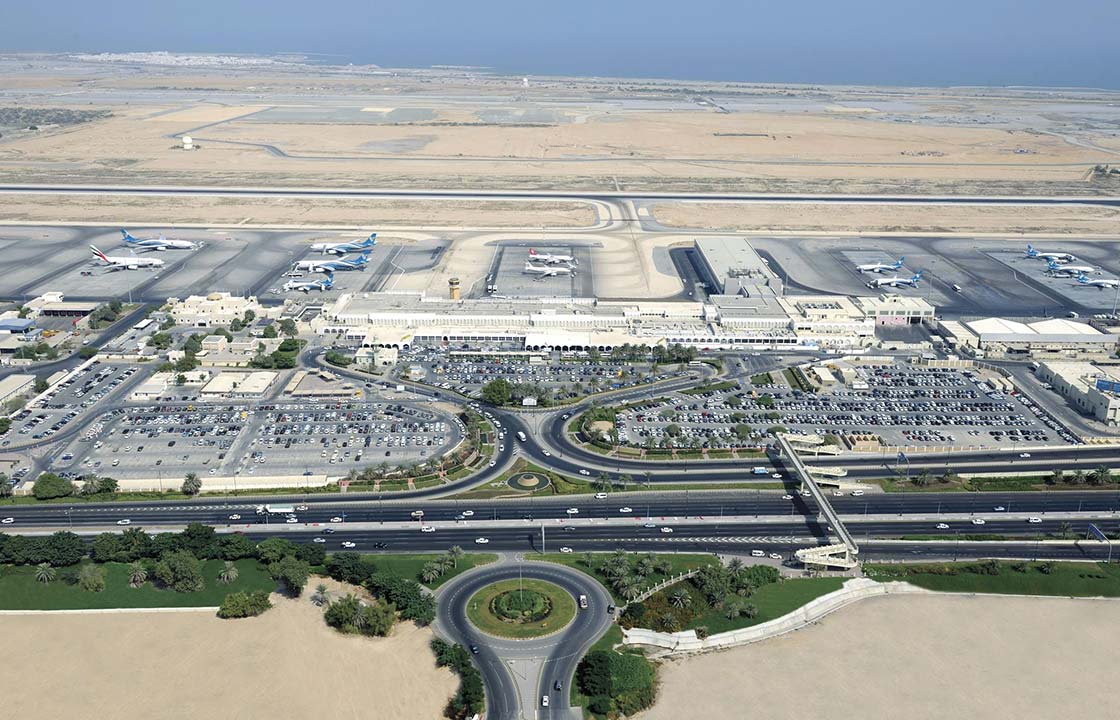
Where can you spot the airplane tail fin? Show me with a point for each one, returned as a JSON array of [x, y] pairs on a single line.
[[532, 252], [1081, 278], [1030, 249], [127, 236], [899, 263], [329, 282], [371, 240], [98, 253]]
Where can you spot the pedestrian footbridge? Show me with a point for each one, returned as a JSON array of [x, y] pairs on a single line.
[[836, 556]]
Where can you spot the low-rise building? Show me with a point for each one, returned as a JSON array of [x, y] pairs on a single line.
[[239, 384], [16, 385], [1044, 340], [217, 308], [1092, 389]]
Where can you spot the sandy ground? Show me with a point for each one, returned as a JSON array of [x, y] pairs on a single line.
[[801, 217], [914, 657], [285, 664], [292, 212]]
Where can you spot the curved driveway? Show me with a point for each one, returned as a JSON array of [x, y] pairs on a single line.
[[518, 672]]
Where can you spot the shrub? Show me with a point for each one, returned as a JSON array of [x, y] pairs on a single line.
[[181, 571], [242, 604], [49, 485]]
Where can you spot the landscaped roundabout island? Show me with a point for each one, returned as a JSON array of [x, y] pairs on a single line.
[[521, 609]]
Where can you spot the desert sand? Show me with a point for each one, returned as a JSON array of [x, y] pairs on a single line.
[[285, 664], [872, 218], [914, 657]]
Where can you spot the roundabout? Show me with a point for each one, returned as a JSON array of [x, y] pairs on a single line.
[[528, 481], [522, 609]]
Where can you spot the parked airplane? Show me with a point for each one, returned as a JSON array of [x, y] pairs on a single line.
[[306, 286], [542, 272], [551, 259], [1100, 283], [896, 281], [881, 267], [1069, 270], [330, 266], [1055, 256], [129, 262], [345, 247], [161, 243]]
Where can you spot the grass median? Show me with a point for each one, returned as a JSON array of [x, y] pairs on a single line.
[[1065, 579]]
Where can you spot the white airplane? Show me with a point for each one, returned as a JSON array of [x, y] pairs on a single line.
[[881, 267], [330, 266], [306, 286], [896, 281], [345, 247], [161, 243], [551, 259], [1055, 256], [130, 262], [1069, 270], [1100, 283], [543, 272]]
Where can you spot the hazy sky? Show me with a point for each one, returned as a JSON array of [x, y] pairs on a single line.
[[902, 42]]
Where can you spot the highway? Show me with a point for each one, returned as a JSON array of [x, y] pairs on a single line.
[[512, 696]]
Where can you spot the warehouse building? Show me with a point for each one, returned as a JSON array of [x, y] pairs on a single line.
[[1056, 339], [1092, 389]]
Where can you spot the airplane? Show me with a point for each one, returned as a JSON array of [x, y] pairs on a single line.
[[543, 272], [345, 247], [161, 243], [551, 259], [130, 262], [330, 266], [1069, 270], [1055, 256], [306, 286], [896, 281], [881, 267], [1100, 283]]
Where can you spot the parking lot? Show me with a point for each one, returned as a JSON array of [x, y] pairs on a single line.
[[170, 440], [903, 405]]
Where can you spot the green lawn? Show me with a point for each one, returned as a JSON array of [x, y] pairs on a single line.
[[772, 601], [1067, 579], [409, 565], [20, 591], [679, 563], [563, 609]]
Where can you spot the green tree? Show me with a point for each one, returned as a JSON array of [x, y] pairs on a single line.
[[137, 574], [456, 554], [291, 573], [91, 578], [242, 604], [48, 486], [192, 484], [181, 571], [681, 598], [1101, 476], [288, 327], [160, 341], [228, 573], [497, 392], [672, 430], [430, 573], [44, 573], [321, 596], [269, 332]]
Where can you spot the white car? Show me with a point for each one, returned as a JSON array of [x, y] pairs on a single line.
[[492, 463], [1024, 455], [626, 510], [124, 522], [600, 496], [348, 544], [301, 508], [427, 528], [857, 493], [565, 549], [776, 476], [468, 513], [336, 519], [319, 540], [544, 700], [1034, 520], [417, 513], [787, 497], [666, 529], [999, 508], [758, 553], [942, 526], [292, 521], [8, 521], [546, 453], [572, 511], [584, 472], [978, 521], [481, 541], [837, 493], [235, 516], [775, 556]]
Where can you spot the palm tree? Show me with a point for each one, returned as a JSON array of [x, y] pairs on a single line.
[[321, 596], [667, 621], [588, 559], [430, 572], [663, 566], [455, 553], [444, 563], [734, 609], [644, 567], [735, 566], [1101, 476], [1057, 475], [228, 573], [681, 598], [137, 574], [44, 573], [1064, 529]]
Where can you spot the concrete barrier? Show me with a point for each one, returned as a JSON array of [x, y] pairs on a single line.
[[687, 642]]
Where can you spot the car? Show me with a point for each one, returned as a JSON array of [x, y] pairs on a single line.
[[1024, 455], [584, 472], [417, 513], [649, 525], [837, 493], [468, 513], [565, 549], [336, 519], [626, 510], [7, 521], [474, 649], [666, 529], [600, 496], [942, 526], [978, 521], [999, 508], [775, 556], [349, 544], [328, 531], [546, 453], [491, 463], [301, 508], [481, 541], [787, 496], [427, 528], [572, 511], [857, 493], [235, 516], [1034, 520], [569, 528], [319, 540], [758, 553], [776, 476], [213, 471], [124, 522], [544, 700], [557, 686], [292, 521]]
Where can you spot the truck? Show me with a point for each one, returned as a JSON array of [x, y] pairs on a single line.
[[759, 471], [276, 509], [521, 436]]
